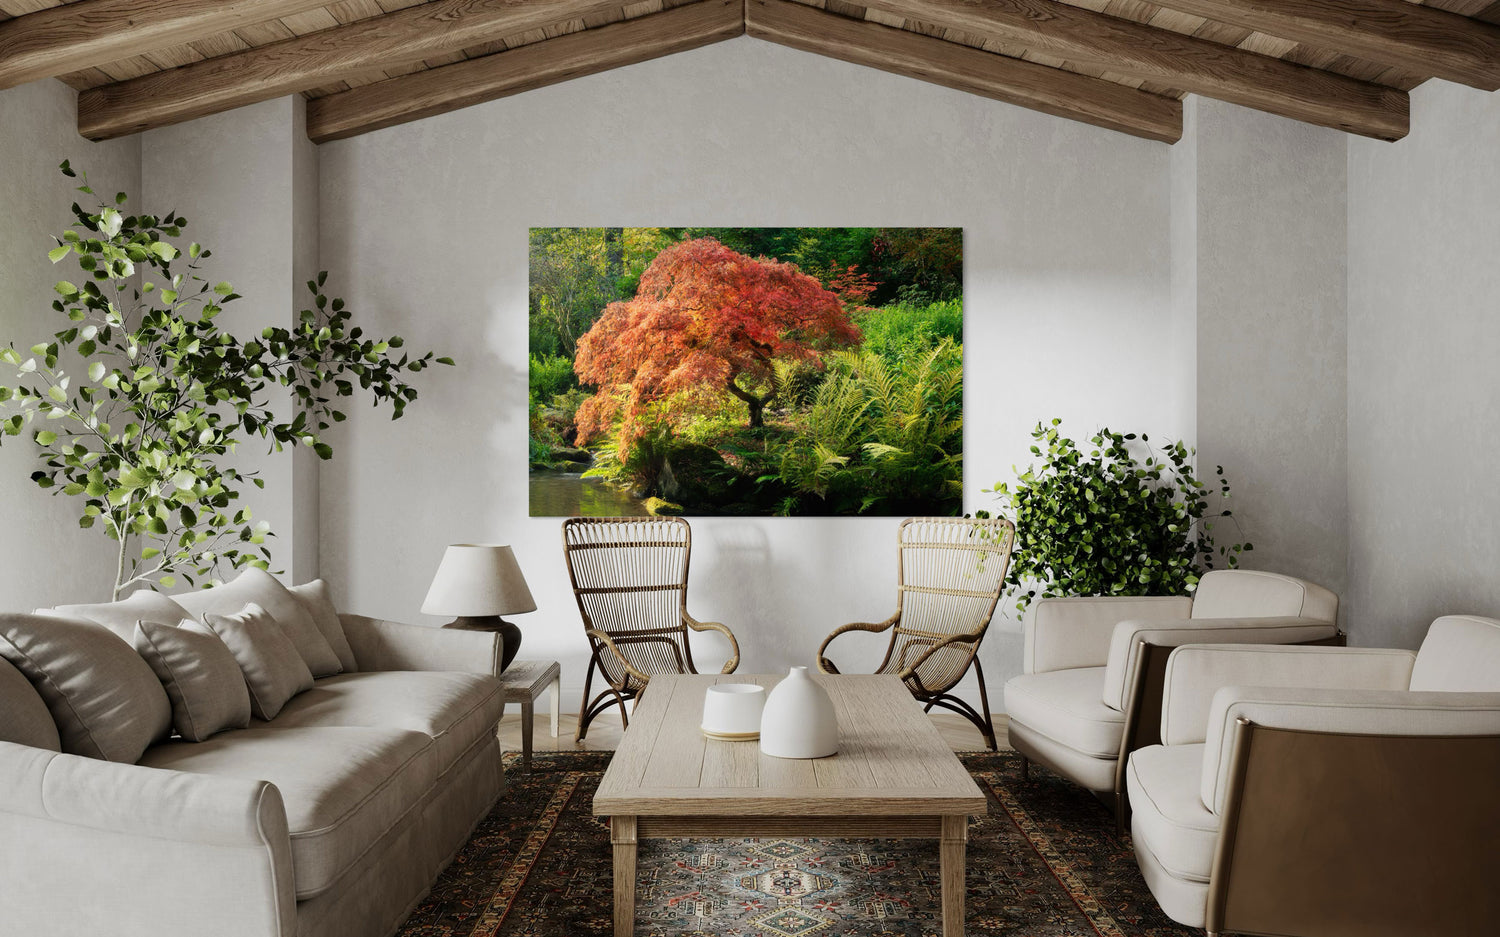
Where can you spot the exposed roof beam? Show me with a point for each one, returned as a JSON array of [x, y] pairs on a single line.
[[1196, 65], [359, 48], [95, 32], [1422, 40], [1051, 90], [439, 90]]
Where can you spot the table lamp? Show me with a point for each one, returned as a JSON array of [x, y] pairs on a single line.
[[479, 582]]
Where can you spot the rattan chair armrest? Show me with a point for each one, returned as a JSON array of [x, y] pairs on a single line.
[[696, 625], [909, 673], [608, 642], [826, 665]]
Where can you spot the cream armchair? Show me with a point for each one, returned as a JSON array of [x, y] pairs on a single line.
[[1091, 690], [1310, 791]]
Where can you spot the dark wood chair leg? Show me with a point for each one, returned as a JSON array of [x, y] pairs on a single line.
[[1025, 768]]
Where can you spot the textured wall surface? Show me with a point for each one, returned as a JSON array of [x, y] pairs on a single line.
[[1067, 275], [44, 557], [1424, 369], [1270, 283]]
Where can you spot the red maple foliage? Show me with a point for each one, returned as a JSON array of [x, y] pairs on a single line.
[[704, 316]]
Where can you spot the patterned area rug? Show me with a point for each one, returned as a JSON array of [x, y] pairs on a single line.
[[1044, 862]]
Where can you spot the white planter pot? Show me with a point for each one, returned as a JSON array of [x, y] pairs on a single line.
[[798, 720], [731, 711]]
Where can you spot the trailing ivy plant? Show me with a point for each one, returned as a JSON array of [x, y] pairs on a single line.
[[145, 432], [1107, 522]]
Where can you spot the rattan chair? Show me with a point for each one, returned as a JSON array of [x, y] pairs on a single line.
[[950, 573], [630, 577]]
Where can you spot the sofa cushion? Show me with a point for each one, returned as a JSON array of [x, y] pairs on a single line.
[[24, 718], [105, 700], [344, 788], [205, 685], [1461, 653], [260, 587], [1168, 816], [453, 709], [318, 602], [1066, 706], [120, 617], [273, 670]]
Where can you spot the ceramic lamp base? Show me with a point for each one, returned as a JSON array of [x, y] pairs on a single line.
[[510, 634]]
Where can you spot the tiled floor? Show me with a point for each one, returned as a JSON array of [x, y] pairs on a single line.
[[604, 733]]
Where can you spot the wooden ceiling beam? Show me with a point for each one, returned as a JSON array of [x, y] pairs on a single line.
[[1422, 40], [83, 35], [1026, 84], [405, 37], [1196, 65], [450, 87]]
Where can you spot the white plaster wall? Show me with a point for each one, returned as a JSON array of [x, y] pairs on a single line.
[[1424, 369], [45, 559], [237, 178], [1269, 256], [1068, 288]]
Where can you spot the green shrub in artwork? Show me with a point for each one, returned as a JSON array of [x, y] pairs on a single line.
[[550, 375], [902, 330]]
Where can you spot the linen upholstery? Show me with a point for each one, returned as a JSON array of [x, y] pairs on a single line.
[[1196, 672], [1460, 652], [258, 586], [387, 645], [317, 601], [24, 718], [1061, 706], [453, 709], [1168, 814], [202, 680], [343, 787], [273, 670], [1074, 632], [120, 617], [104, 699], [1253, 593], [1090, 771]]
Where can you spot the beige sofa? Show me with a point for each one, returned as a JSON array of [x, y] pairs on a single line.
[[1327, 790], [334, 818]]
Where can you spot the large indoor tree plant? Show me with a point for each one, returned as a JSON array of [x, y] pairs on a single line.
[[1118, 519], [144, 432]]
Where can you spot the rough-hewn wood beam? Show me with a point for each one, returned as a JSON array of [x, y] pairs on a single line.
[[1422, 40], [370, 45], [1197, 65], [1026, 84], [95, 32], [439, 90]]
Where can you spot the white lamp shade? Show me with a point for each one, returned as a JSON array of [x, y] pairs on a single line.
[[477, 579]]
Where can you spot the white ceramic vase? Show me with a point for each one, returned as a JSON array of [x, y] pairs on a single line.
[[798, 720]]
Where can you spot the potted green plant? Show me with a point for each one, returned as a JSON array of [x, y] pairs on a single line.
[[1118, 519], [144, 432]]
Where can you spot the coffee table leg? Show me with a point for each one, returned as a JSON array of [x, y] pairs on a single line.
[[622, 835], [955, 836], [556, 692]]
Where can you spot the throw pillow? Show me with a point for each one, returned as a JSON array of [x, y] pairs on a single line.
[[273, 670], [260, 587], [202, 679], [24, 718], [105, 700], [120, 617], [318, 603]]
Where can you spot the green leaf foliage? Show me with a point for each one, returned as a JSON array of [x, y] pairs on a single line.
[[1118, 519], [149, 441]]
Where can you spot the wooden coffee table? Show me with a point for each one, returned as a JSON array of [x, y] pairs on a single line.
[[893, 777]]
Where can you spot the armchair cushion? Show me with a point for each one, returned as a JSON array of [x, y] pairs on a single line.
[[260, 587], [1119, 675], [1064, 705], [1460, 652], [104, 699], [1074, 632], [1168, 816], [1196, 672], [344, 788], [1249, 593], [24, 718]]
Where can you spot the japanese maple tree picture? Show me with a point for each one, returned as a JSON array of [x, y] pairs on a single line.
[[788, 371]]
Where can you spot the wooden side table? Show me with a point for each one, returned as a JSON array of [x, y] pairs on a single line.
[[523, 681]]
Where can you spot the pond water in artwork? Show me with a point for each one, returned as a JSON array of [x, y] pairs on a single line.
[[569, 494]]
